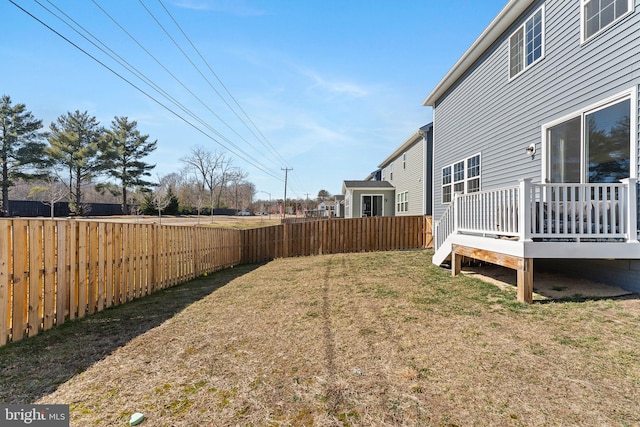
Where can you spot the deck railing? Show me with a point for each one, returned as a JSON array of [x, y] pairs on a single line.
[[489, 212], [579, 211], [444, 227], [545, 212]]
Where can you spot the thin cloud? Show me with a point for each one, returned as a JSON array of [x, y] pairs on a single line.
[[336, 87], [231, 7]]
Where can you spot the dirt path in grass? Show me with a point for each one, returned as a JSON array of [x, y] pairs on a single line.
[[382, 339]]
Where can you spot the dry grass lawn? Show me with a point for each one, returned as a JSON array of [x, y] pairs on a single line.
[[370, 339]]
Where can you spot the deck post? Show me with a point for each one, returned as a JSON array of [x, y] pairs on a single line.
[[456, 262], [525, 281], [632, 209], [524, 208]]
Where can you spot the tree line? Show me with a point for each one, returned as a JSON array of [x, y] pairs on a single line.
[[67, 160]]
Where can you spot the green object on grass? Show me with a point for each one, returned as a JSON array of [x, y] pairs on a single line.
[[136, 419]]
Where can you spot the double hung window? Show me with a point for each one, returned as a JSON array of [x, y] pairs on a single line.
[[526, 44], [461, 177], [446, 184], [402, 202]]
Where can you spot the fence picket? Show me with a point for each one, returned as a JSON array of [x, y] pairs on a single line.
[[5, 268], [73, 269], [83, 261], [20, 279], [101, 264], [36, 277], [49, 271], [92, 268], [108, 280], [62, 274]]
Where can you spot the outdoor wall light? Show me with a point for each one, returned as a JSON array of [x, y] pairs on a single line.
[[531, 150]]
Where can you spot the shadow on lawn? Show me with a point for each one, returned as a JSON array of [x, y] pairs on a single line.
[[36, 366]]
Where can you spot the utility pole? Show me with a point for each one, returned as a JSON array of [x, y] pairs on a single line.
[[286, 173]]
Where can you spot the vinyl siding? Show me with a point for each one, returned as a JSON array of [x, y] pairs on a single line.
[[410, 178], [428, 202], [485, 112]]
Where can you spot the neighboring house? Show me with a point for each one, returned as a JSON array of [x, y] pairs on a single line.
[[326, 209], [537, 126], [408, 169], [368, 198], [402, 184], [338, 207]]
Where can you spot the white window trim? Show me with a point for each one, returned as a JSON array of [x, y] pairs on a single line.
[[466, 170], [404, 160], [525, 67], [466, 177], [442, 183], [632, 95], [583, 4], [402, 206]]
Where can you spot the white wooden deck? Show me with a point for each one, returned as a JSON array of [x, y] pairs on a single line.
[[513, 226]]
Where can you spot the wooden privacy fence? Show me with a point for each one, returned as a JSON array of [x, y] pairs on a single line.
[[57, 270], [382, 233]]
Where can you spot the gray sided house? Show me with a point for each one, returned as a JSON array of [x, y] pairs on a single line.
[[402, 184], [408, 169], [536, 142], [367, 198]]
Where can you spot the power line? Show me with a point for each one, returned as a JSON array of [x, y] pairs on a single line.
[[259, 167], [177, 45], [123, 62], [268, 144], [175, 78]]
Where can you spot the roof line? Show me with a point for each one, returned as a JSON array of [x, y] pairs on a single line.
[[499, 25], [413, 139]]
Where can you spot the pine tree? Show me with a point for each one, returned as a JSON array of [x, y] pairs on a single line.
[[21, 145], [173, 204], [74, 148], [122, 149]]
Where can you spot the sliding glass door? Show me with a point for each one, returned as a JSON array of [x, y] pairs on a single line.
[[594, 147], [371, 205], [607, 142]]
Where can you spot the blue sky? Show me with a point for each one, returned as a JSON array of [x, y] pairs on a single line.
[[333, 87]]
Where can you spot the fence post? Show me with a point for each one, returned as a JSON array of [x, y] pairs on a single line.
[[524, 210]]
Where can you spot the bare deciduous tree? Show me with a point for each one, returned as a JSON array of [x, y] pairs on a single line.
[[53, 191], [212, 172]]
